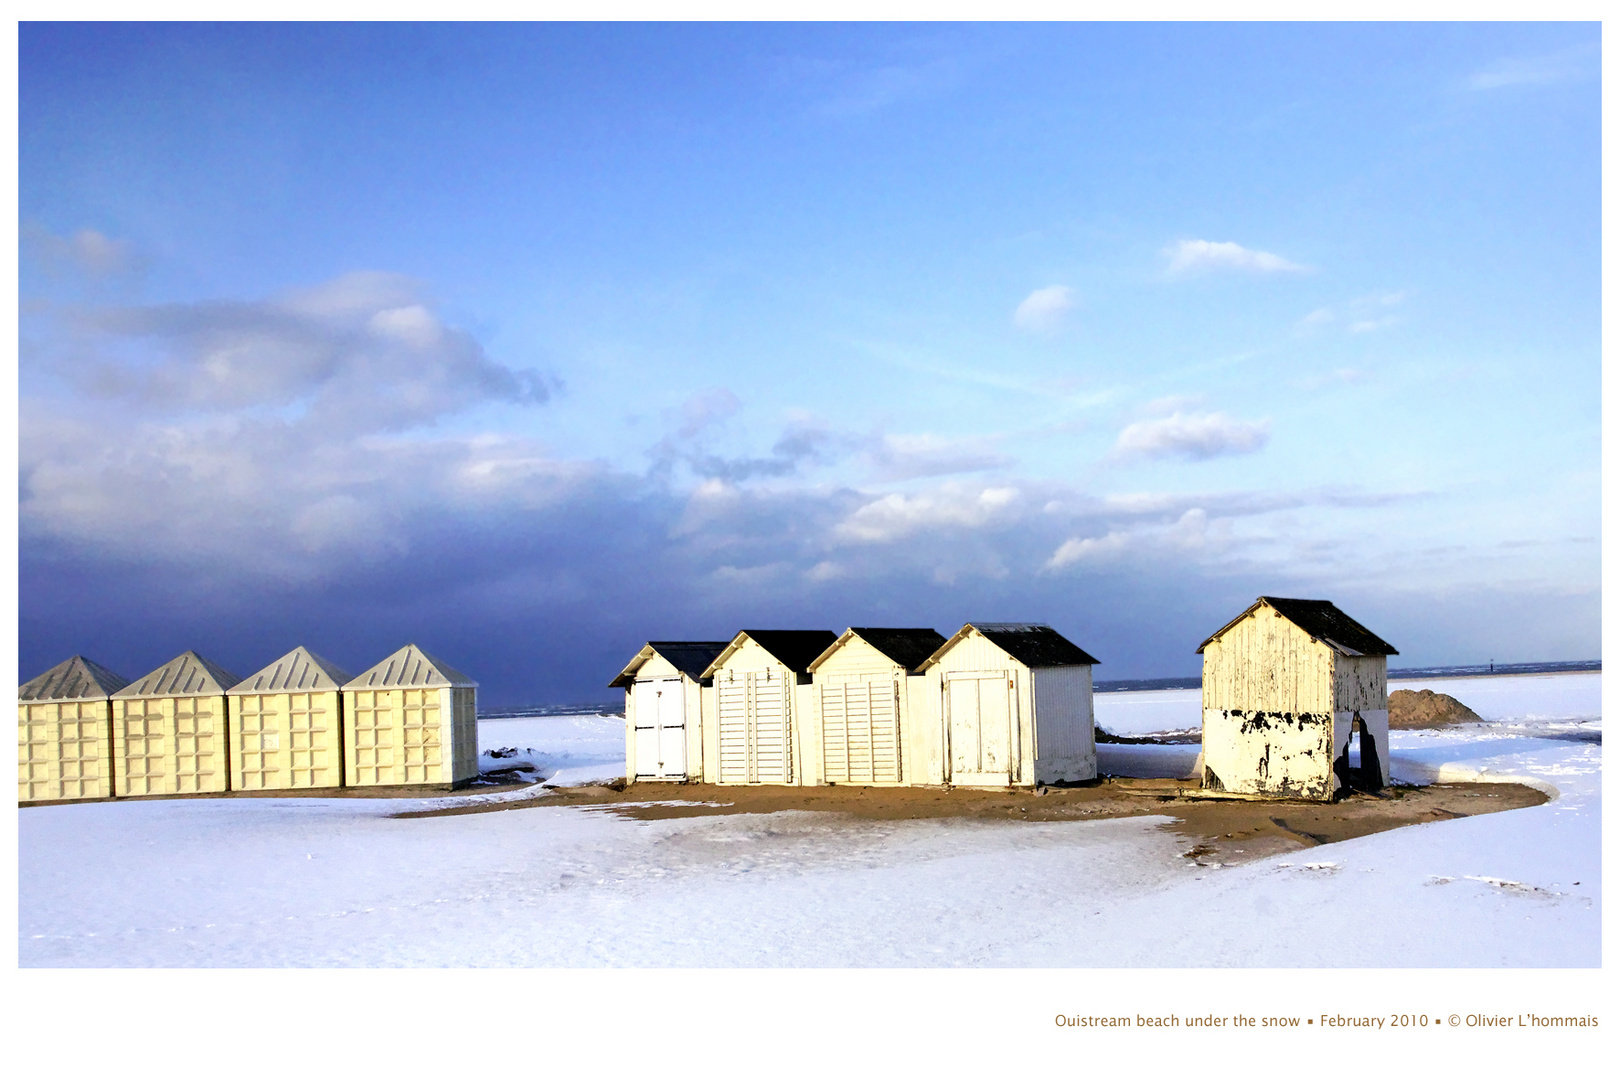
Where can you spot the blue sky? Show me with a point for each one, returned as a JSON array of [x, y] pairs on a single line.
[[532, 343]]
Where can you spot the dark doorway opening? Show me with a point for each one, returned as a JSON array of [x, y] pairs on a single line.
[[1366, 772]]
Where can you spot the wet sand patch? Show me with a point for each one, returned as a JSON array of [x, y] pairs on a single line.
[[1219, 830]]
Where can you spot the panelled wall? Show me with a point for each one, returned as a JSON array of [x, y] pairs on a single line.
[[289, 740], [170, 745], [64, 749]]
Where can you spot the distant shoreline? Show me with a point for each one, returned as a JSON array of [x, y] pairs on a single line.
[[1465, 671], [1116, 686]]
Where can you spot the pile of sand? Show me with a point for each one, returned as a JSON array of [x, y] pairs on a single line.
[[1409, 709]]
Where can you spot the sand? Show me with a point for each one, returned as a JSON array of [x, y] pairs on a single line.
[[1218, 831]]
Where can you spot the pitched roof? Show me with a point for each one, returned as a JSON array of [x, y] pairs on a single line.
[[1034, 645], [794, 648], [690, 658], [299, 670], [410, 666], [187, 675], [1321, 620], [74, 679], [907, 647]]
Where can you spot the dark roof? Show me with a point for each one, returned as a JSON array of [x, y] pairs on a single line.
[[690, 658], [1035, 644], [74, 679], [795, 648], [906, 647], [1320, 619]]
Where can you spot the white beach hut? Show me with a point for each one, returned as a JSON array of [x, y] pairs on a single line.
[[169, 730], [663, 708], [410, 719], [286, 725], [866, 690], [762, 697], [64, 732], [1295, 702], [1016, 706]]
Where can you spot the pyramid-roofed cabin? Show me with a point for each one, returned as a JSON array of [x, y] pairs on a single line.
[[865, 689], [663, 708], [410, 719], [64, 732], [170, 729], [1015, 706], [287, 725], [763, 704], [1295, 702]]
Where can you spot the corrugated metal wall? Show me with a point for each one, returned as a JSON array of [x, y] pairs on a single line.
[[1065, 733]]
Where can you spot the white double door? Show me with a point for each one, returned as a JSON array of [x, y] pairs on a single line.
[[860, 729], [982, 714], [660, 729], [756, 726]]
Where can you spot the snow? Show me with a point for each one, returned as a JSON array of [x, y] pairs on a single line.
[[1150, 712], [341, 882], [562, 750]]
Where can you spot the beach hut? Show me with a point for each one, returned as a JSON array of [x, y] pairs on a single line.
[[663, 709], [864, 684], [1015, 706], [761, 700], [169, 730], [1294, 702], [287, 725], [64, 732], [411, 719]]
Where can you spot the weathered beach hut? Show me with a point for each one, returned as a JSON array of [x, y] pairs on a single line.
[[64, 732], [410, 719], [663, 709], [286, 725], [169, 730], [1295, 702], [864, 684], [762, 700], [1016, 706]]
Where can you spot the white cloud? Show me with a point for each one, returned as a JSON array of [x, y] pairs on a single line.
[[894, 516], [1567, 65], [1044, 309], [1085, 550], [1367, 326], [1191, 436], [1192, 256]]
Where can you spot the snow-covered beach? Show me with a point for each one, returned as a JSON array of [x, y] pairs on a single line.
[[343, 882]]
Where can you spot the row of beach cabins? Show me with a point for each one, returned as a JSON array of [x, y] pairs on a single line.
[[191, 726], [1294, 705]]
